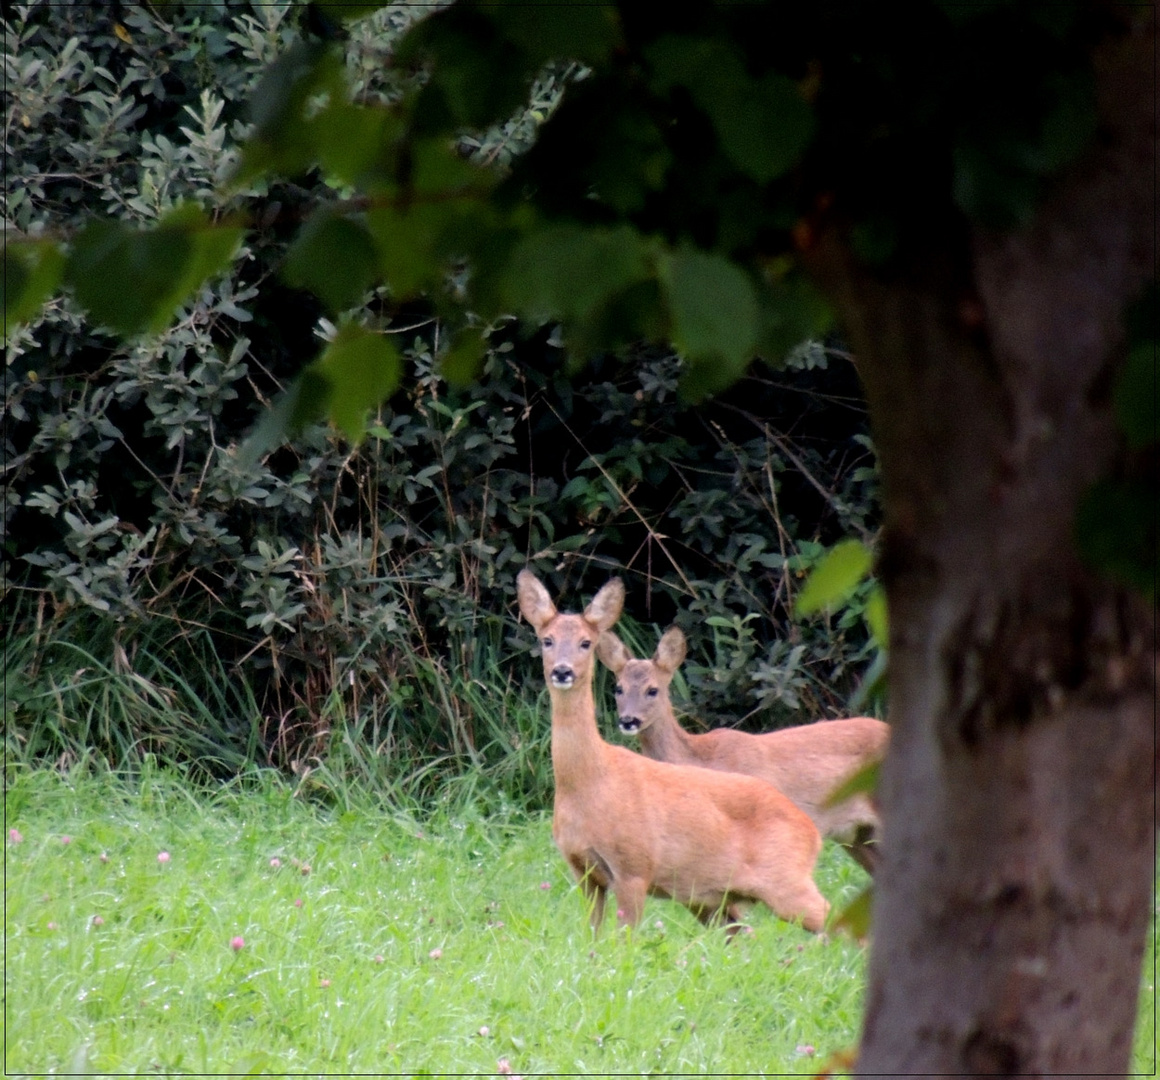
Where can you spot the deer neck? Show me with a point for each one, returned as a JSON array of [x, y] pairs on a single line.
[[577, 748], [666, 740]]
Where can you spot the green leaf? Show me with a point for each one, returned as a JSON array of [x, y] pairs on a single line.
[[133, 280], [837, 575], [864, 781], [408, 243], [32, 272], [876, 618], [875, 239], [355, 372], [764, 127], [1116, 532], [359, 145], [855, 918], [334, 257], [361, 368], [992, 190], [570, 272], [791, 311], [713, 312], [347, 11], [1135, 396], [283, 140], [477, 77], [437, 168], [872, 686], [1068, 127], [548, 30], [764, 124], [461, 363], [302, 402]]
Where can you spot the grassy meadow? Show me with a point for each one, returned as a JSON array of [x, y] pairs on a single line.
[[154, 928], [150, 929]]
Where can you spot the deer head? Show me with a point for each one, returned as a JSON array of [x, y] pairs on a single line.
[[642, 686], [568, 641]]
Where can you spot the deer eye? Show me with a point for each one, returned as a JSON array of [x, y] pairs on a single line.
[[547, 643], [586, 644], [652, 691]]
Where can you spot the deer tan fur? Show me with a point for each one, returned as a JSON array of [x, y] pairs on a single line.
[[806, 763], [639, 827]]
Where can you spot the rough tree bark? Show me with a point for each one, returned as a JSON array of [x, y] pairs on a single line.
[[1019, 795]]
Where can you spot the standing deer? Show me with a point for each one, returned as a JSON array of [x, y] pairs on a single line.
[[807, 763], [640, 827]]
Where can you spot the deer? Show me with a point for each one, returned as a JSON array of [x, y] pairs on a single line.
[[637, 827], [807, 763]]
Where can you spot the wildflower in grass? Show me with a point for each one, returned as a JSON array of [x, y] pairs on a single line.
[[98, 921], [484, 1031], [305, 868], [324, 983], [435, 954], [298, 902], [66, 839], [275, 862], [805, 1050], [104, 856], [15, 836], [52, 926], [545, 884], [237, 943], [163, 856]]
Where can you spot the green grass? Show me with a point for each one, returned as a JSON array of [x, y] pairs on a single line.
[[350, 980], [442, 946]]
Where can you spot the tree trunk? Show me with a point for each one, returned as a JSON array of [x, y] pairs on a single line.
[[1018, 797]]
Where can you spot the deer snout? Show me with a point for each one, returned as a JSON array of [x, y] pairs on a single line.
[[630, 724], [562, 677]]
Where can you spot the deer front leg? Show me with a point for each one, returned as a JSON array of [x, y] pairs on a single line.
[[630, 898]]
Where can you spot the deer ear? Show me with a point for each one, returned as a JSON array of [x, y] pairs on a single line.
[[606, 605], [611, 652], [671, 650], [535, 604]]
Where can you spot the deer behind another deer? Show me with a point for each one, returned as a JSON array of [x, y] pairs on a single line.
[[806, 763], [638, 827]]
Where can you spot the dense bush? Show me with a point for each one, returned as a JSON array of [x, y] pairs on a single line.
[[359, 601]]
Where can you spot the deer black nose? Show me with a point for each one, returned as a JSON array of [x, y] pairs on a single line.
[[630, 724], [563, 676]]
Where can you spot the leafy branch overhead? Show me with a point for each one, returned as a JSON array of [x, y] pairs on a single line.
[[668, 197]]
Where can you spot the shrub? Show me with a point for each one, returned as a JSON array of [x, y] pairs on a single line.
[[358, 600]]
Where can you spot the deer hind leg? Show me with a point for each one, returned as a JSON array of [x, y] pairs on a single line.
[[593, 884], [863, 849], [859, 832], [729, 914], [594, 895]]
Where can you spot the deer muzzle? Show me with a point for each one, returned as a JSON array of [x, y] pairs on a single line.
[[562, 677]]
